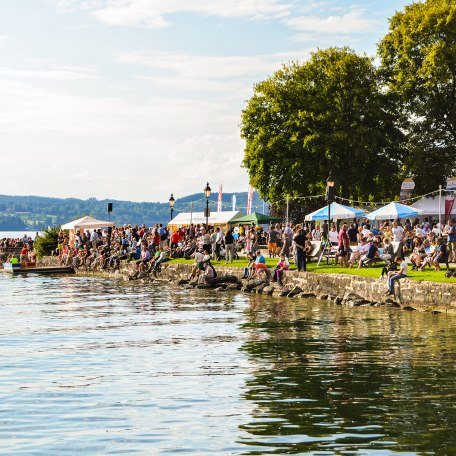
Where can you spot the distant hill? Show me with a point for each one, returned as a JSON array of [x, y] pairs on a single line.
[[19, 213]]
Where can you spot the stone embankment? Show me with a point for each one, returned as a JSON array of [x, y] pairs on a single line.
[[342, 289]]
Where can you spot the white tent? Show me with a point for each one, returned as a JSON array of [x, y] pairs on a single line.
[[86, 223], [336, 211], [394, 210], [430, 205], [216, 218]]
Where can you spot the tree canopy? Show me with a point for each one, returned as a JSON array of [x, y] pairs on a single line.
[[326, 115], [370, 126], [418, 65]]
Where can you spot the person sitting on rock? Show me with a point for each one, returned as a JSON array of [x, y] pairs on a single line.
[[163, 258], [260, 263], [282, 265], [249, 270], [396, 275], [209, 272], [198, 266]]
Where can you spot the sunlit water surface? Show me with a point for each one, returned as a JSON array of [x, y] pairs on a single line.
[[94, 366]]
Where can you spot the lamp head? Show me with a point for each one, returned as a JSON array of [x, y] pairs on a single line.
[[171, 200], [207, 191], [330, 181]]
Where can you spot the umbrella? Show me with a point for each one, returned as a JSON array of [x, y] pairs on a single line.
[[338, 212], [254, 217], [394, 211]]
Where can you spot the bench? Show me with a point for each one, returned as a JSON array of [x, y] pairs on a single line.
[[316, 250]]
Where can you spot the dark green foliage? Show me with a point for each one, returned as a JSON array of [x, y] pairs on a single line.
[[47, 242], [418, 66], [325, 115]]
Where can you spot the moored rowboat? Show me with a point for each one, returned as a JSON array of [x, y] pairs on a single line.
[[16, 268]]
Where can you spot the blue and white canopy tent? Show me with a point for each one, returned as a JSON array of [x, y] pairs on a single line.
[[337, 212], [393, 211]]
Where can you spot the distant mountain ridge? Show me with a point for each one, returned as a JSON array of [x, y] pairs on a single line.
[[38, 212]]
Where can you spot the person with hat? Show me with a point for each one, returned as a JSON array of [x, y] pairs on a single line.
[[209, 271]]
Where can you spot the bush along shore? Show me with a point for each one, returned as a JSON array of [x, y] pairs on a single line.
[[342, 289]]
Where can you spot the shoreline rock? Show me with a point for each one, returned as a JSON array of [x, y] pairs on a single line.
[[342, 289]]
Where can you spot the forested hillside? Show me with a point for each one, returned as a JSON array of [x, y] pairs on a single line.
[[37, 212]]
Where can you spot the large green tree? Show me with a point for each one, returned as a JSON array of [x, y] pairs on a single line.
[[418, 63], [325, 115]]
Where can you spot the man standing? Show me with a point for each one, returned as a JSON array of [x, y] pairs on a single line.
[[450, 232], [272, 241], [229, 246], [299, 242], [343, 244], [398, 235], [353, 234]]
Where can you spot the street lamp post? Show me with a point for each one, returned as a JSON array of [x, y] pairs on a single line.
[[207, 194], [171, 205], [329, 197]]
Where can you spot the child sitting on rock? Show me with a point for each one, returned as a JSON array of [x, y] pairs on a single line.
[[282, 265]]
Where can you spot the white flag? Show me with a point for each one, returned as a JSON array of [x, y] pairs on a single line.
[[219, 201], [249, 200], [234, 202]]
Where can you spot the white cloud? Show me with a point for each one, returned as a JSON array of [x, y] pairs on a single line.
[[230, 76], [349, 23], [200, 67], [153, 13], [118, 147], [53, 72]]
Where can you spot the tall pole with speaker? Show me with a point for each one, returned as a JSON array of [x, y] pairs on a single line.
[[109, 211]]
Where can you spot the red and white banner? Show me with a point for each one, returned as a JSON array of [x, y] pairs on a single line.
[[219, 201], [249, 200], [449, 199], [449, 203]]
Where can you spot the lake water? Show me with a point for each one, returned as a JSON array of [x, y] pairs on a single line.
[[17, 234], [93, 366]]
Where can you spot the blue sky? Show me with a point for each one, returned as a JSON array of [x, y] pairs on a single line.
[[135, 99]]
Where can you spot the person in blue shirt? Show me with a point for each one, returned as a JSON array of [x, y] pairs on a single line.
[[260, 263]]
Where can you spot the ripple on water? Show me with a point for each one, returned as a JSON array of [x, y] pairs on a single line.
[[93, 366]]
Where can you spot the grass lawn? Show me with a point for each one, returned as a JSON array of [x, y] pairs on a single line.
[[372, 271]]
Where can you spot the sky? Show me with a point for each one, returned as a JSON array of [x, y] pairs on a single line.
[[138, 99]]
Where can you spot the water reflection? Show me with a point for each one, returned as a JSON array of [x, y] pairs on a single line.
[[94, 366], [336, 379]]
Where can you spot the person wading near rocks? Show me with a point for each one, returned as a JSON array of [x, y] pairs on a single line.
[[299, 241]]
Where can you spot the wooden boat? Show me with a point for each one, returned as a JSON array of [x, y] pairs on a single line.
[[31, 268]]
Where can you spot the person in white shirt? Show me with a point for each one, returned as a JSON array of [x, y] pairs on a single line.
[[366, 232], [332, 236], [398, 232], [361, 250], [396, 275]]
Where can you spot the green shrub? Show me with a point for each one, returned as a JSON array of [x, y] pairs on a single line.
[[47, 242]]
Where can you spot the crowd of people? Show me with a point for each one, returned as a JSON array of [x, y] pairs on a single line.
[[355, 244]]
